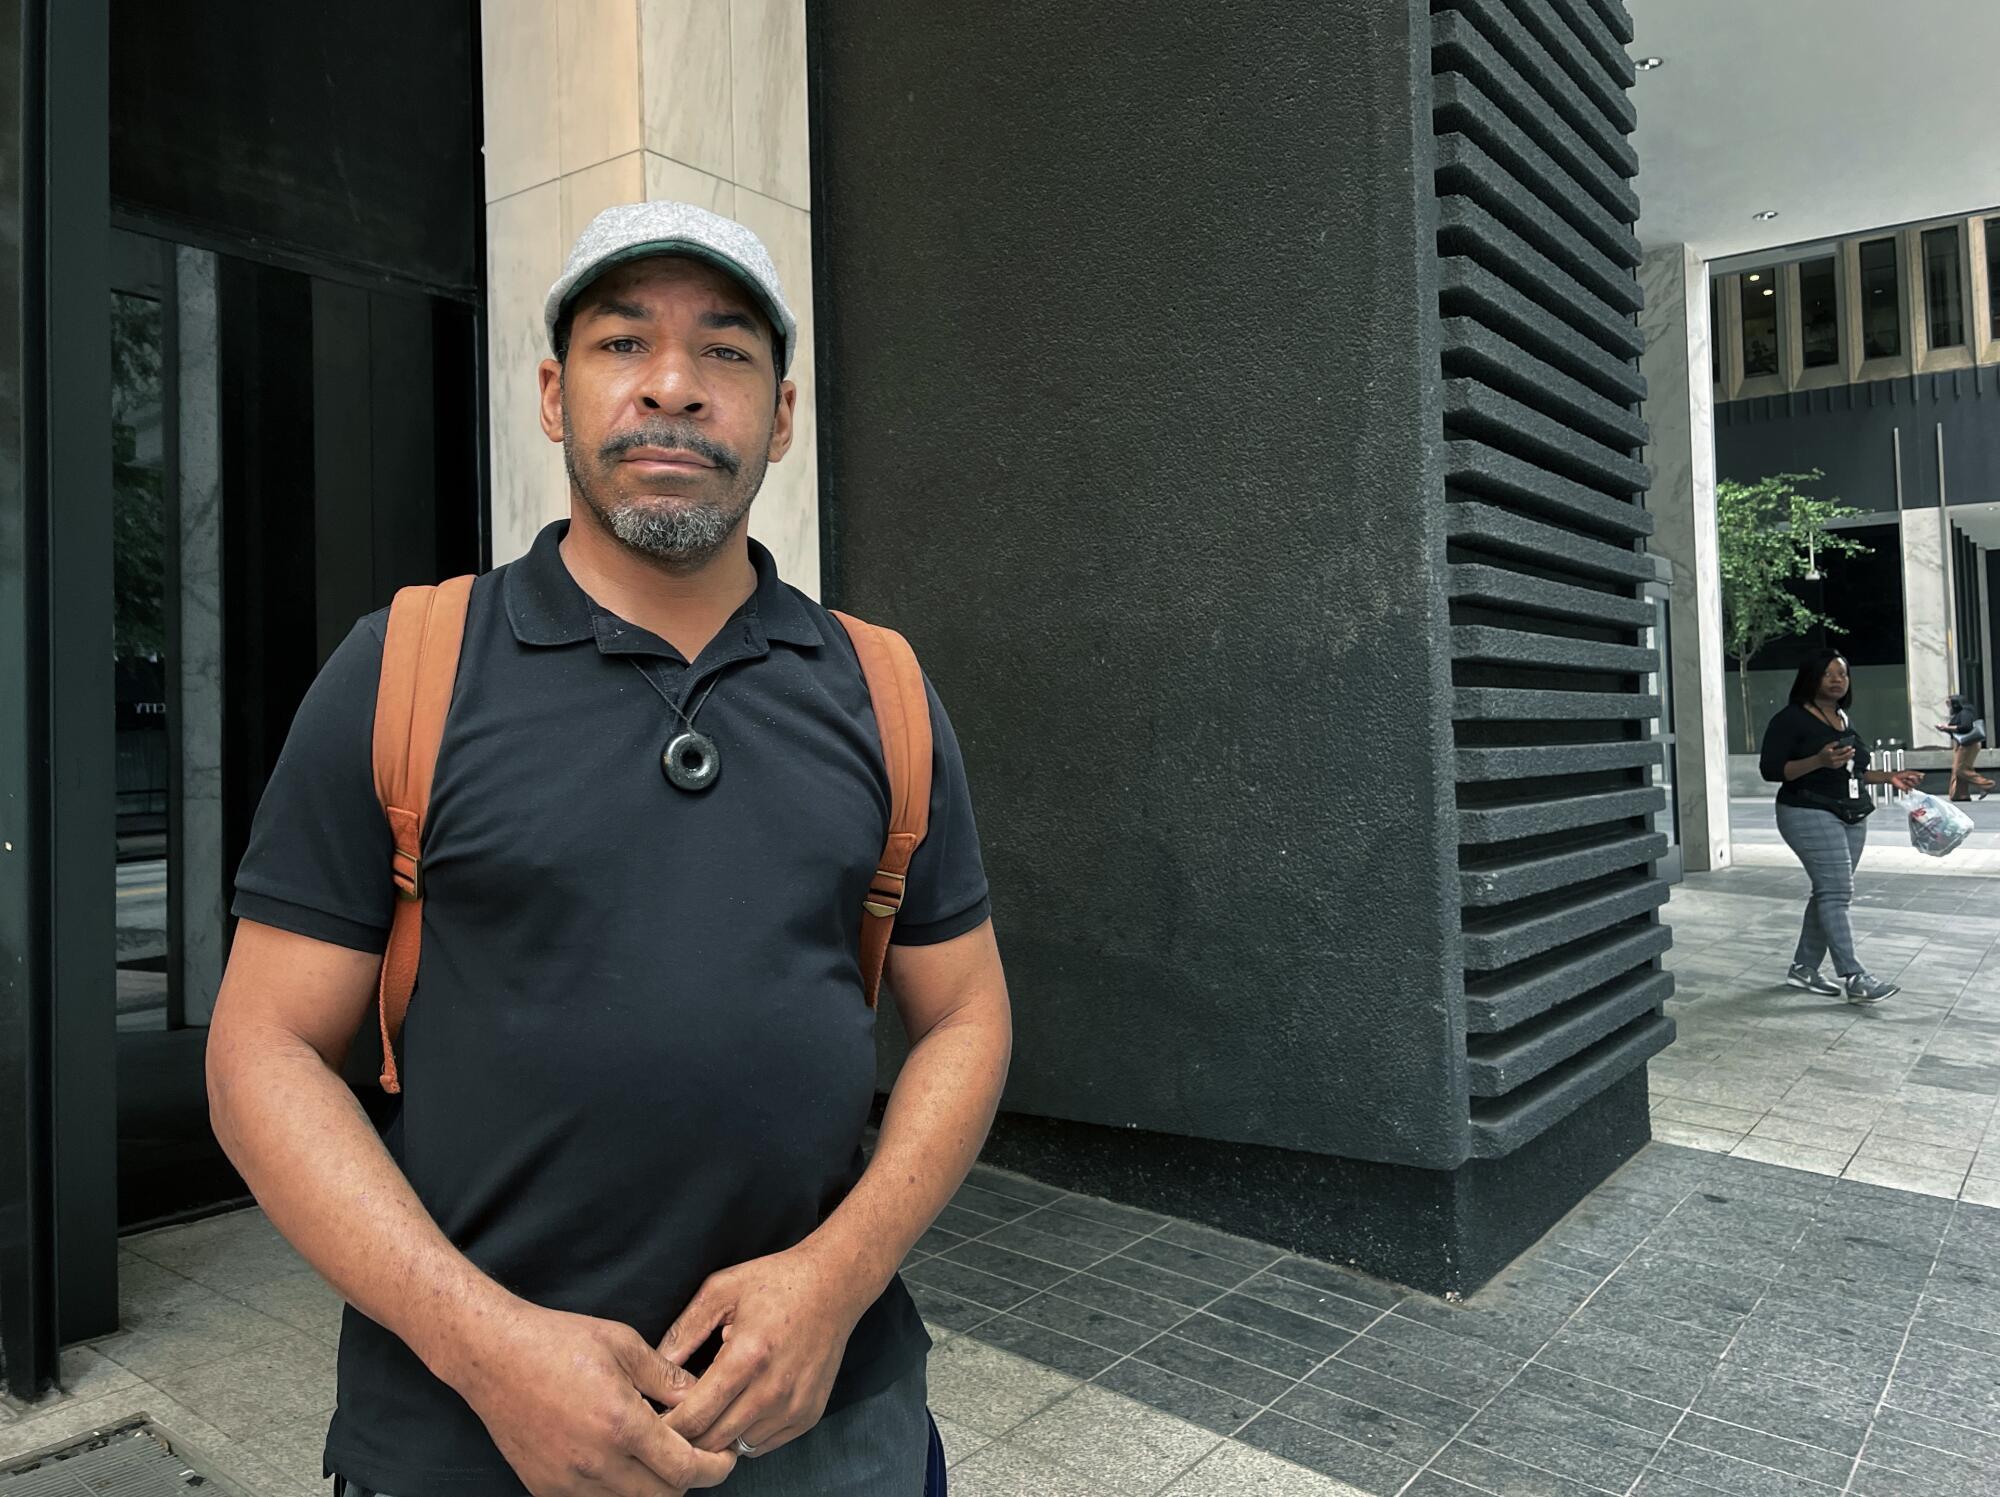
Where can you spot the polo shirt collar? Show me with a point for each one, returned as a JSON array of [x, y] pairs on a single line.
[[547, 607]]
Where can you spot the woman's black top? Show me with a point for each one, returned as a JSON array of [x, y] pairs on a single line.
[[1796, 734], [1961, 721]]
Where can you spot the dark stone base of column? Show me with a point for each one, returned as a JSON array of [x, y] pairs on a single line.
[[1441, 1231]]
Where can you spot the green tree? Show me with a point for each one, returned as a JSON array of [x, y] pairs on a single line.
[[1768, 534]]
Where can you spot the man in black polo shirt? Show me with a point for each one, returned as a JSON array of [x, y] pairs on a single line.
[[626, 1162]]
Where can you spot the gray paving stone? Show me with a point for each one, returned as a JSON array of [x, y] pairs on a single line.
[[1505, 1476], [1727, 1473], [1022, 1237], [1594, 1466], [1566, 1388], [1085, 1323], [1303, 1299], [1230, 1337], [1132, 1304], [1982, 1447], [1391, 1395], [1792, 1457], [1052, 1349], [1198, 1403], [1158, 1282], [1443, 1346], [1893, 1468], [1375, 1428], [946, 1309], [1789, 1410], [1051, 1221], [1204, 1364], [1301, 1330], [967, 1283], [1330, 1454], [1348, 1283], [1460, 1384], [989, 1203], [1188, 1262], [1629, 1363], [1004, 1263]]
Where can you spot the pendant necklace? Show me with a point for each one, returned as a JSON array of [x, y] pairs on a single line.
[[690, 760]]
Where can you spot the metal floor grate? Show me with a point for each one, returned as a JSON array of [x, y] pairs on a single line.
[[139, 1459]]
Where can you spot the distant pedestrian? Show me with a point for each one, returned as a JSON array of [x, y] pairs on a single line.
[[1820, 764], [1968, 736]]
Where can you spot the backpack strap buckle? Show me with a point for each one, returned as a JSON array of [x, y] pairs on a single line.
[[885, 893], [408, 870]]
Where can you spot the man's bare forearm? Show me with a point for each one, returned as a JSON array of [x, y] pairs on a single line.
[[309, 1153], [936, 1120]]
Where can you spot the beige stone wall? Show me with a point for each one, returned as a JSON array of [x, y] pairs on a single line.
[[596, 102]]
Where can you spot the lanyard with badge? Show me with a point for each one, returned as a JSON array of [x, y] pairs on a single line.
[[1847, 736]]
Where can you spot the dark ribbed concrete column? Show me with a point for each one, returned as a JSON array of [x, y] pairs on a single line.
[[1240, 420]]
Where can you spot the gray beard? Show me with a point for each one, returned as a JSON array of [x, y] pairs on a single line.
[[676, 531]]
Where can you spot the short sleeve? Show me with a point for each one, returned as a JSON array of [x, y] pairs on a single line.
[[1779, 742], [318, 863], [946, 891]]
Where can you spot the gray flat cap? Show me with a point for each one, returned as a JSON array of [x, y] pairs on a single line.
[[635, 231]]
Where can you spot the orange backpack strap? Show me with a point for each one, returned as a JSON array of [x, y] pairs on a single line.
[[903, 717], [419, 669]]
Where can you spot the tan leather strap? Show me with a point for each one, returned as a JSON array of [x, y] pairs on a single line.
[[419, 669], [903, 718]]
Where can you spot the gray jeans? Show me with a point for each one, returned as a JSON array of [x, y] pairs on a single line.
[[875, 1448], [1830, 849]]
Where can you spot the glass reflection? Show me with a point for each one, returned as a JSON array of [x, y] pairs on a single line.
[[1944, 300], [1760, 322], [139, 569], [1819, 314], [1881, 312]]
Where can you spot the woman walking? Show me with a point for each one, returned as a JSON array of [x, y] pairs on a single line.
[[1968, 736], [1820, 764]]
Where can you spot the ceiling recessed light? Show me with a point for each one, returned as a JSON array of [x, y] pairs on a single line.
[[1647, 64], [1769, 291], [1755, 276], [1766, 216]]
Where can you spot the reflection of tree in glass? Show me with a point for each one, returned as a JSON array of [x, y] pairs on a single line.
[[138, 516]]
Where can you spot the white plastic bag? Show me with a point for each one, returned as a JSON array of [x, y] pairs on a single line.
[[1936, 826]]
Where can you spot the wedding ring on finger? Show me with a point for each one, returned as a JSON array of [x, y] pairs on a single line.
[[744, 1447]]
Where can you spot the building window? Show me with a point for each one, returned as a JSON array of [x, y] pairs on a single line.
[[1819, 315], [1993, 273], [1881, 311], [1760, 322], [1944, 301]]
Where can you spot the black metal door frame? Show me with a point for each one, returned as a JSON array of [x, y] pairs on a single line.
[[58, 1102]]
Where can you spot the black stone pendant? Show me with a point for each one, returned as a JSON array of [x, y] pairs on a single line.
[[691, 761]]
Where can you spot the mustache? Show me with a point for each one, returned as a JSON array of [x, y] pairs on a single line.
[[670, 434]]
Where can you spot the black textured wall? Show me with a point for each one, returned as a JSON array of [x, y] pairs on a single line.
[[1129, 408], [1242, 420]]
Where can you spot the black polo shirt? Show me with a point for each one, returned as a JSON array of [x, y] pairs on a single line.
[[638, 1051]]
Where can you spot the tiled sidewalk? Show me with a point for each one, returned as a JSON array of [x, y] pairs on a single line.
[[1701, 1325], [1902, 1093]]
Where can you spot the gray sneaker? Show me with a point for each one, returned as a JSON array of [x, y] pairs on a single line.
[[1861, 988], [1809, 978]]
